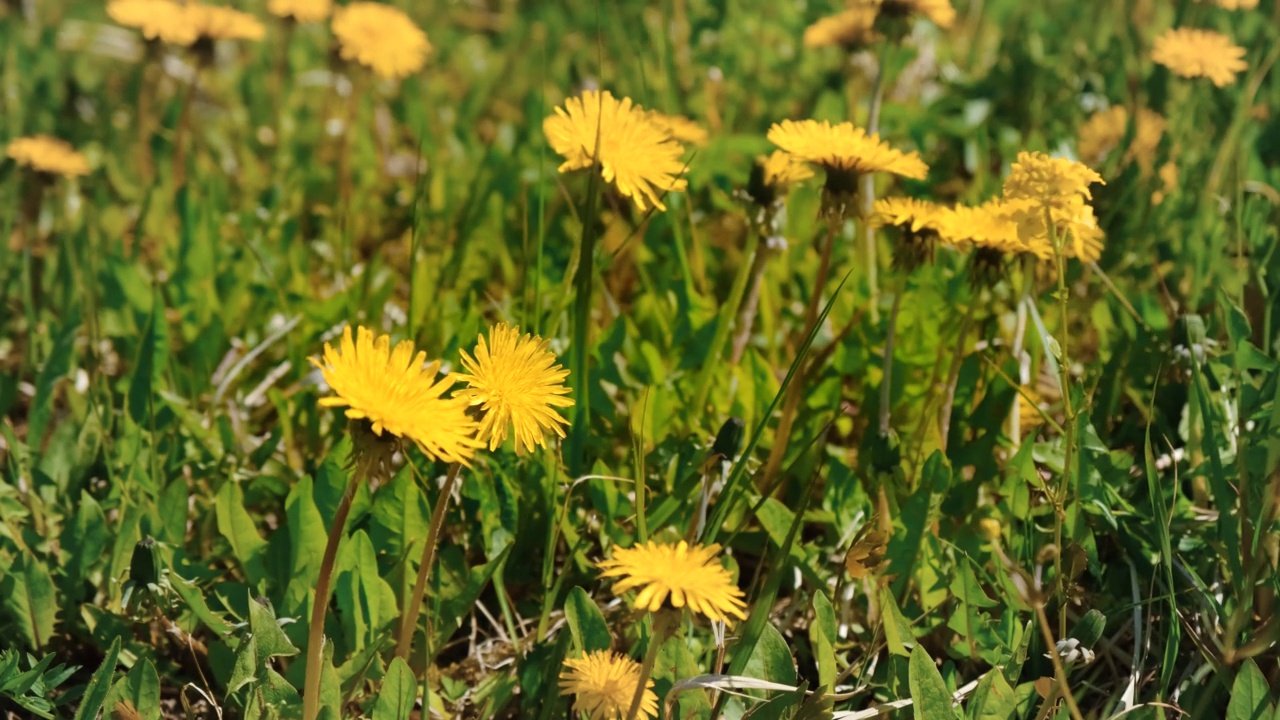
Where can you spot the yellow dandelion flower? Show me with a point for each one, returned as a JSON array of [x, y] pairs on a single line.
[[211, 22], [687, 574], [907, 213], [380, 37], [847, 29], [1038, 185], [844, 149], [681, 129], [635, 154], [46, 154], [1106, 129], [1195, 53], [396, 391], [604, 684], [1049, 180], [517, 384], [782, 169], [303, 11], [1168, 175], [938, 12], [1074, 225], [163, 20], [985, 226], [1234, 4]]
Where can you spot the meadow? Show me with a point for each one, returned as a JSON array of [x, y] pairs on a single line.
[[625, 359]]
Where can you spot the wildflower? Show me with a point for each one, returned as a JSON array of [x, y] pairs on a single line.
[[1056, 182], [990, 528], [918, 221], [303, 11], [772, 175], [49, 155], [994, 238], [848, 29], [1041, 190], [938, 12], [380, 37], [1234, 4], [1168, 175], [844, 151], [1200, 53], [689, 575], [162, 20], [604, 683], [396, 392], [1105, 130], [1074, 227], [681, 129], [635, 154], [517, 384], [211, 22]]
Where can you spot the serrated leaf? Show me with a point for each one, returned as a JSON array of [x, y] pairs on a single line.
[[27, 597], [966, 587], [586, 623], [99, 684], [928, 691], [148, 370], [241, 532], [1250, 698], [84, 539], [398, 693]]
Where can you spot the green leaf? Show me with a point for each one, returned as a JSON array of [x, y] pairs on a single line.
[[822, 636], [928, 691], [400, 516], [141, 688], [398, 692], [993, 699], [55, 368], [240, 530], [966, 587], [99, 684], [771, 658], [1088, 629], [1250, 698], [272, 642], [27, 597], [148, 370], [897, 631], [84, 539], [590, 631], [307, 536]]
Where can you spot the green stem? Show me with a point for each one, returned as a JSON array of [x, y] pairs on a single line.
[[578, 373], [662, 625], [886, 381], [184, 129], [1064, 369], [320, 606], [751, 303], [867, 186], [409, 620]]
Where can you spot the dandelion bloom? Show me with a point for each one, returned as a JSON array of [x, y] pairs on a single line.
[[847, 29], [689, 575], [396, 392], [938, 12], [1106, 129], [844, 148], [380, 37], [163, 20], [1200, 53], [635, 154], [303, 11], [782, 169], [604, 684], [517, 384], [1235, 4], [212, 22], [1056, 182], [918, 223], [46, 154], [681, 129]]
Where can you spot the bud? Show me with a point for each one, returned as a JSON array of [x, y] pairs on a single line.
[[990, 528]]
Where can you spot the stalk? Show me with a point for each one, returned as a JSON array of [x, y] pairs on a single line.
[[409, 620], [886, 381], [1064, 369], [661, 630], [320, 606], [867, 187], [582, 281], [750, 304], [184, 128]]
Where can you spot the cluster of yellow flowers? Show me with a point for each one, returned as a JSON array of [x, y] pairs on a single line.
[[377, 36], [48, 155]]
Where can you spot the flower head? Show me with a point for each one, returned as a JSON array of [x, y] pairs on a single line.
[[848, 29], [635, 154], [1235, 4], [46, 154], [772, 175], [938, 12], [396, 391], [1041, 190], [380, 37], [1106, 129], [1049, 180], [163, 20], [680, 128], [303, 11], [212, 22], [919, 223], [604, 683], [844, 149], [517, 384], [1074, 226], [1200, 53], [688, 574]]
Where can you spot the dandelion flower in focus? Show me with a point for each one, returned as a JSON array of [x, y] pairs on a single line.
[[1056, 182], [50, 155], [1106, 129], [994, 238], [686, 574], [517, 384], [380, 37], [681, 129], [844, 151], [1195, 53], [396, 392], [848, 29], [635, 154], [162, 20], [918, 223], [302, 11], [604, 684]]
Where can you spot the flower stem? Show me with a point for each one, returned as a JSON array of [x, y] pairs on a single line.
[[582, 281], [409, 621], [662, 625], [1019, 352], [886, 381], [867, 187], [1070, 415], [750, 304], [184, 129], [320, 606]]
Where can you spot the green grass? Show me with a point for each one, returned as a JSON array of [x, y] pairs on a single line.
[[154, 380]]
